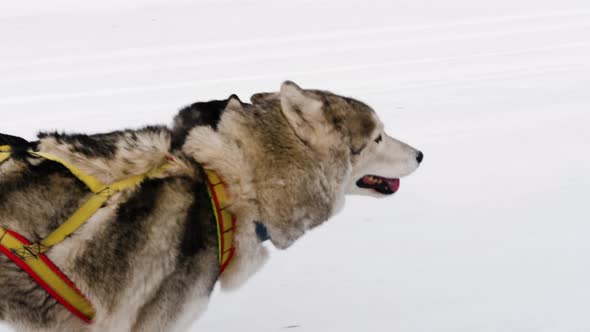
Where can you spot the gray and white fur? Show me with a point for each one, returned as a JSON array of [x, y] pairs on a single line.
[[147, 259]]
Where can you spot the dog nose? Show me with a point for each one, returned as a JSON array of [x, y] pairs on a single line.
[[419, 156]]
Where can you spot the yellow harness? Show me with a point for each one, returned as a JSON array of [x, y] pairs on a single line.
[[31, 256], [4, 152]]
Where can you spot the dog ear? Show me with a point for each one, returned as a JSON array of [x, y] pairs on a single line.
[[234, 103], [303, 112], [258, 98]]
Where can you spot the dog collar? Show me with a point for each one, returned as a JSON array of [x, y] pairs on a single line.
[[226, 222]]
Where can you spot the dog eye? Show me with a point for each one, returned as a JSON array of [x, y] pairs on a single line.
[[378, 139]]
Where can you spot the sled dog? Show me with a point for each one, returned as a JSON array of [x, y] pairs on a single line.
[[149, 254]]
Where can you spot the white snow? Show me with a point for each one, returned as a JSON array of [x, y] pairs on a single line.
[[490, 234]]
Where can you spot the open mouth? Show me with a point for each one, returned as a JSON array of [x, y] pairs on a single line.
[[385, 186]]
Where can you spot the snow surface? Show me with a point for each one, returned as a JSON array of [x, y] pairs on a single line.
[[490, 234]]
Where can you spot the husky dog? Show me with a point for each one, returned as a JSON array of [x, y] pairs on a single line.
[[148, 258]]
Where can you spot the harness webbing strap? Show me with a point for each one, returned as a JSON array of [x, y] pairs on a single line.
[[30, 256], [76, 220], [88, 209], [90, 181], [226, 222], [47, 275], [4, 152]]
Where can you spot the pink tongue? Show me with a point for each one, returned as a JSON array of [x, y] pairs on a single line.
[[393, 184]]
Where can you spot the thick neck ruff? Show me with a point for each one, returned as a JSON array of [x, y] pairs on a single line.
[[31, 256]]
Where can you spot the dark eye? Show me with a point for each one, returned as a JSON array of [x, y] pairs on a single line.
[[378, 139]]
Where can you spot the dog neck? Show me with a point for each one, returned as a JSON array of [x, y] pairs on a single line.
[[269, 187]]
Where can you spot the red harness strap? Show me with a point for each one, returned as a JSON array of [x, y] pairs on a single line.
[[46, 274]]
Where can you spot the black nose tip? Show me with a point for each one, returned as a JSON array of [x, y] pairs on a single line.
[[419, 156]]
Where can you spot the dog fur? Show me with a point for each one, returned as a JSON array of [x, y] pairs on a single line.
[[147, 259]]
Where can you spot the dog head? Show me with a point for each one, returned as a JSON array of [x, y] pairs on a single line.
[[329, 122], [346, 151]]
